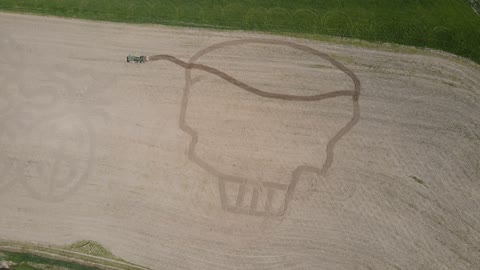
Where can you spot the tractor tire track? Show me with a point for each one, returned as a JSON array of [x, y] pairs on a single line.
[[297, 173]]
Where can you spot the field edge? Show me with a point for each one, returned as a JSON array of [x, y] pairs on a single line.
[[63, 253], [332, 40]]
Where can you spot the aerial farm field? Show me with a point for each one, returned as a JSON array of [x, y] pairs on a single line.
[[223, 149]]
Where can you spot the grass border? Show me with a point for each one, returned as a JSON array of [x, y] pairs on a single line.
[[332, 40], [63, 254]]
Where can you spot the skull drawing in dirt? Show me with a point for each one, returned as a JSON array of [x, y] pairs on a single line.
[[262, 114]]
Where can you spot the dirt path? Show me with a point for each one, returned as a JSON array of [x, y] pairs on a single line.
[[246, 154]]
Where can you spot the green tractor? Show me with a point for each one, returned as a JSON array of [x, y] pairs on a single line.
[[137, 59]]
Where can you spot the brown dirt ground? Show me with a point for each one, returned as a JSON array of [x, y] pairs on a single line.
[[175, 168]]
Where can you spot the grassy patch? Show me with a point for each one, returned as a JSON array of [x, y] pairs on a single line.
[[25, 267], [475, 5], [91, 248], [27, 261], [449, 25], [85, 254]]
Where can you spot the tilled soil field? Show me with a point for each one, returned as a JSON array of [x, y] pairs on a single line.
[[233, 150]]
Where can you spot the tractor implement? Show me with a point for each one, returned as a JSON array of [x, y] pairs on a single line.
[[136, 59]]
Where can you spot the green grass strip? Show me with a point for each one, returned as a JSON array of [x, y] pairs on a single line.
[[85, 252], [449, 25], [24, 261]]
